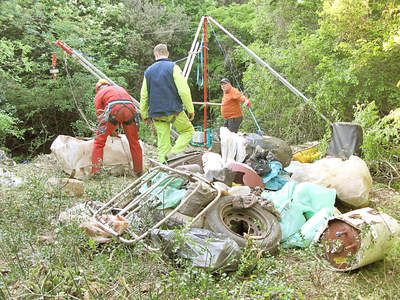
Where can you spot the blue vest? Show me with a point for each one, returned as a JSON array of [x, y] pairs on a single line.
[[164, 99]]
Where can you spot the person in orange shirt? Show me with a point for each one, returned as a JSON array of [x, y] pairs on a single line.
[[230, 109]]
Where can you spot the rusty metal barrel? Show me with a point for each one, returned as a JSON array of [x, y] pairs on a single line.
[[358, 238]]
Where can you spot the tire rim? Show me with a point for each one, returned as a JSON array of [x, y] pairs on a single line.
[[242, 221]]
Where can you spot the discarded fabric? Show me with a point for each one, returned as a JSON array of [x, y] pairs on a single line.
[[93, 229]]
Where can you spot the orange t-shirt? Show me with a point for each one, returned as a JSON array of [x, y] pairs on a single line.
[[231, 104]]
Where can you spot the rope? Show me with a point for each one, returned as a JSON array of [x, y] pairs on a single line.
[[237, 83], [83, 116], [227, 58], [277, 75], [199, 68], [176, 61]]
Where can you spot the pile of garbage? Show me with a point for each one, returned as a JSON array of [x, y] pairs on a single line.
[[248, 189]]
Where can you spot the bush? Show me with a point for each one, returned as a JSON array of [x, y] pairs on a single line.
[[381, 145], [8, 127]]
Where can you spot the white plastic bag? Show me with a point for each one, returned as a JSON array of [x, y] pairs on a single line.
[[233, 146], [350, 178]]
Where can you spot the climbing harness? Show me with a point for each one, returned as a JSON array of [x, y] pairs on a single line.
[[105, 116]]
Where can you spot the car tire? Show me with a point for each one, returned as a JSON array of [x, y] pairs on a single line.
[[255, 221]]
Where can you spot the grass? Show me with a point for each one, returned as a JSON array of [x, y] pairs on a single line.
[[40, 258]]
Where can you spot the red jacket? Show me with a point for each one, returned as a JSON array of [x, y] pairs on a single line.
[[107, 95]]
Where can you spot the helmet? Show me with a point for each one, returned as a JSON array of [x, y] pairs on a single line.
[[100, 83]]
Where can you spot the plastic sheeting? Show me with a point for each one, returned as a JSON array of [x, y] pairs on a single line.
[[304, 208], [273, 181], [347, 139], [204, 248], [350, 178]]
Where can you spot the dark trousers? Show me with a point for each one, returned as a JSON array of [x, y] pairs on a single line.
[[233, 124]]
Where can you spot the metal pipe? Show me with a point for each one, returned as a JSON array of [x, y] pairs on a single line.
[[266, 65], [205, 79], [89, 66], [197, 49], [259, 131], [192, 48], [124, 191], [208, 103]]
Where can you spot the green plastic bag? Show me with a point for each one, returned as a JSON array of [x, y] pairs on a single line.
[[168, 196], [297, 203]]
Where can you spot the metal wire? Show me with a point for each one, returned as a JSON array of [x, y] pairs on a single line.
[[82, 114]]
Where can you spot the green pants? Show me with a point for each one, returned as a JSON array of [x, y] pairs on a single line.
[[163, 126]]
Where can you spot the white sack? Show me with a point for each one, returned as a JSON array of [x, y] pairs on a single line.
[[233, 146], [350, 178], [76, 155], [212, 162]]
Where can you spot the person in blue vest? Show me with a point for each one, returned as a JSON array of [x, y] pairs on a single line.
[[163, 97]]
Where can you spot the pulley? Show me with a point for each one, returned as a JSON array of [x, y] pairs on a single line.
[[53, 69]]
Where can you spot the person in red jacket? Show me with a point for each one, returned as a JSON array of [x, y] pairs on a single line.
[[114, 107]]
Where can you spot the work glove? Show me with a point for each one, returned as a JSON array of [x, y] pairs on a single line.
[[247, 102], [191, 116]]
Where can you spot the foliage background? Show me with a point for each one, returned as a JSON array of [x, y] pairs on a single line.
[[339, 53]]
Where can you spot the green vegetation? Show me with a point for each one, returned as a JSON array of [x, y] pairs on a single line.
[[344, 55], [338, 53], [381, 146]]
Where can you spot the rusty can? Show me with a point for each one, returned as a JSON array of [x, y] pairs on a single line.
[[358, 238]]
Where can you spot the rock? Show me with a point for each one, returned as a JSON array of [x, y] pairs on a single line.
[[71, 187], [9, 179], [275, 148]]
